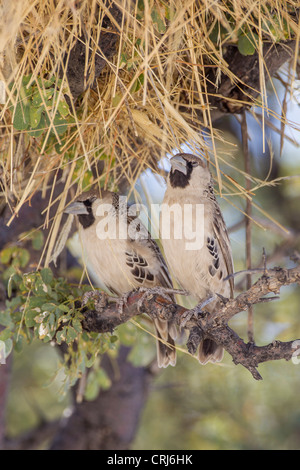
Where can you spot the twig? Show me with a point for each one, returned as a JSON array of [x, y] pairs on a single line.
[[264, 259], [244, 271], [209, 325]]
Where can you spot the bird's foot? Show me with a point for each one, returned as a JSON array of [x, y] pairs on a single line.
[[164, 292], [100, 299], [122, 301], [223, 299], [196, 311]]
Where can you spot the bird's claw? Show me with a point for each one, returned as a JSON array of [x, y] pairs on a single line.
[[164, 292], [196, 311], [189, 314], [100, 298], [122, 301]]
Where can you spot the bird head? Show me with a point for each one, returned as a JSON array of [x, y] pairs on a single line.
[[188, 170], [85, 207]]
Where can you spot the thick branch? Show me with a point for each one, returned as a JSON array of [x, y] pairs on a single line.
[[212, 325]]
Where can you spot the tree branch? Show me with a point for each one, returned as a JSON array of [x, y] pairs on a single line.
[[106, 318]]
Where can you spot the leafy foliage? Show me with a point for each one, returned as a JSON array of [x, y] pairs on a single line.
[[48, 309], [247, 37], [40, 105]]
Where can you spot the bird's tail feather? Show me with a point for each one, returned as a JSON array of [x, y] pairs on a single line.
[[209, 351], [166, 353]]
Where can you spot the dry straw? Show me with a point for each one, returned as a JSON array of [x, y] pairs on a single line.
[[150, 98]]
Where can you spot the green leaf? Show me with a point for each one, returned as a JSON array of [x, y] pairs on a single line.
[[71, 334], [97, 379], [23, 257], [10, 286], [26, 79], [143, 351], [63, 308], [127, 334], [247, 43], [103, 379], [63, 108], [9, 272], [37, 240], [60, 124], [41, 127], [123, 59], [36, 301], [47, 275], [217, 33], [5, 319], [137, 84], [61, 335], [30, 317], [76, 323], [18, 344], [39, 100], [21, 117], [158, 21], [6, 254], [48, 83], [52, 321], [41, 288], [116, 100], [49, 307], [35, 116], [5, 334], [15, 302], [36, 236], [15, 279]]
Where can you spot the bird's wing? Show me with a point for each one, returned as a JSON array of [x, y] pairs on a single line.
[[221, 234], [147, 264], [149, 269]]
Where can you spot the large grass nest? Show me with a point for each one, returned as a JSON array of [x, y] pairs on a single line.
[[101, 90]]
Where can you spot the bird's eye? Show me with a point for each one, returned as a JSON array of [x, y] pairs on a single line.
[[195, 163], [89, 202]]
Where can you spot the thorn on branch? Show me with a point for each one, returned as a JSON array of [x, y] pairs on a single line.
[[245, 271]]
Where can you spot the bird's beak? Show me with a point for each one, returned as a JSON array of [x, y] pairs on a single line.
[[76, 208], [178, 163]]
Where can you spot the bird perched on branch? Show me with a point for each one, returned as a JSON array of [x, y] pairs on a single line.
[[199, 257], [123, 255]]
